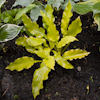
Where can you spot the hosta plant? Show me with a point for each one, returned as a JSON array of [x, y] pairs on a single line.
[[8, 28], [49, 46]]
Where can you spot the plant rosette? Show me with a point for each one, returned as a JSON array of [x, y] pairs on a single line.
[[43, 45]]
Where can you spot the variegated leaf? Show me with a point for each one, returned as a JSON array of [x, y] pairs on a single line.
[[53, 34], [50, 62], [2, 2], [21, 63], [33, 27], [61, 61], [67, 14], [75, 27], [40, 75], [9, 32], [66, 40], [75, 54]]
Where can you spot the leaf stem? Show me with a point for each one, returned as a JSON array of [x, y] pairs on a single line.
[[63, 50], [36, 61]]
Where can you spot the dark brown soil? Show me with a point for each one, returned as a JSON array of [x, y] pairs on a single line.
[[62, 84]]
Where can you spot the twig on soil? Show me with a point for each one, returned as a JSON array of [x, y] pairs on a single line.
[[5, 91]]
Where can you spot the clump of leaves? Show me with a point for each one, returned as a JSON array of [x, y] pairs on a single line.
[[8, 29], [49, 47]]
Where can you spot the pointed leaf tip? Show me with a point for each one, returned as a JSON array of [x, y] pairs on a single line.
[[67, 14]]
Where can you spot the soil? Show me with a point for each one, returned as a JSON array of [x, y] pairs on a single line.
[[62, 84]]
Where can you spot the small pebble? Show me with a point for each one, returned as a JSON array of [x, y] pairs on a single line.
[[79, 68]]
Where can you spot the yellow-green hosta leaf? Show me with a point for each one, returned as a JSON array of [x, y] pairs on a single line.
[[67, 14], [75, 27], [52, 44], [66, 40], [97, 20], [40, 75], [21, 63], [43, 53], [46, 51], [61, 61], [40, 53], [50, 62], [33, 27], [30, 49], [32, 41], [52, 32], [75, 54], [22, 41], [49, 14]]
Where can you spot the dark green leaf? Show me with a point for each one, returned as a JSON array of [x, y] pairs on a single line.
[[83, 7], [96, 8]]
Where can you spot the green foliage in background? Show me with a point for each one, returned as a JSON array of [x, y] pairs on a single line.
[[34, 12], [89, 6]]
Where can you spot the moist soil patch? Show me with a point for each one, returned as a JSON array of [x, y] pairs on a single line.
[[62, 84]]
